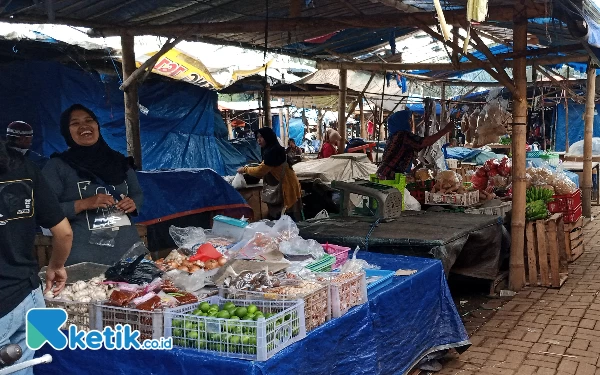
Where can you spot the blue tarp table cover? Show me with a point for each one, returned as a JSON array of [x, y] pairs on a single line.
[[401, 323], [173, 193]]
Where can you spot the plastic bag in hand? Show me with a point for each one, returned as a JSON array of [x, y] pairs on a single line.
[[357, 265], [187, 238], [300, 246], [238, 181]]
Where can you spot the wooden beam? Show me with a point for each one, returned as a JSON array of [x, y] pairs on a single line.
[[148, 64], [350, 6], [267, 106], [564, 86], [289, 94], [363, 125], [505, 79], [473, 65], [295, 8], [455, 36], [397, 4], [519, 137], [324, 24], [132, 112], [359, 98], [487, 67], [586, 191], [343, 86]]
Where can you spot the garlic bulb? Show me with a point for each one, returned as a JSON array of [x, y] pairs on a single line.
[[49, 294], [79, 286]]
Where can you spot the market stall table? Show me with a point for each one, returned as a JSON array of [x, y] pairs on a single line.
[[401, 323], [467, 244]]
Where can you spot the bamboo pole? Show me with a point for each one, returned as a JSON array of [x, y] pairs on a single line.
[[282, 126], [567, 116], [228, 122], [320, 124], [588, 132], [343, 87], [268, 123], [132, 112], [443, 111], [287, 123], [363, 124], [519, 134]]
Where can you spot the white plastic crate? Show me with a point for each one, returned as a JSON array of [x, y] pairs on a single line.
[[467, 199], [81, 314], [228, 227], [500, 210], [245, 339], [149, 323], [345, 294], [317, 304]]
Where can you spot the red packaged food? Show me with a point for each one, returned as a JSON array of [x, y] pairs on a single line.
[[185, 298], [150, 304], [479, 182], [121, 298], [492, 173], [505, 167], [481, 172], [491, 164]]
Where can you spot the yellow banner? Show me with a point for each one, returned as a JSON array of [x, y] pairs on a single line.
[[181, 66]]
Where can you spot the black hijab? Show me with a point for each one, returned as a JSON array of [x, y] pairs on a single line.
[[273, 153], [99, 159]]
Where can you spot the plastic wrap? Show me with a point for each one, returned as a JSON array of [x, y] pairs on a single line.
[[238, 181], [286, 228], [139, 248], [355, 265], [447, 182], [137, 272], [104, 237], [492, 121], [187, 238], [410, 202], [300, 246], [259, 245]]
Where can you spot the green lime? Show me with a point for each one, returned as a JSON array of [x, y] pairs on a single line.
[[234, 317], [190, 325], [258, 316], [223, 314], [214, 307], [177, 332], [241, 312], [204, 306], [228, 305], [192, 335], [288, 317], [179, 342], [268, 315], [245, 340], [234, 339], [252, 340], [202, 344], [197, 312], [252, 309], [177, 323], [212, 313]]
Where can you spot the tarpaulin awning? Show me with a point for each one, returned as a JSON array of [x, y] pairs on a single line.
[[344, 167]]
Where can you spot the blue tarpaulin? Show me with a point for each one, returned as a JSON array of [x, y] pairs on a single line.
[[401, 323], [297, 130], [169, 194], [576, 124], [182, 128]]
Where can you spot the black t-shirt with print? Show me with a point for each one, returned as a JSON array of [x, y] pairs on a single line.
[[25, 199]]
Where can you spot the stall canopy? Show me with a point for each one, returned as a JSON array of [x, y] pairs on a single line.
[[180, 123]]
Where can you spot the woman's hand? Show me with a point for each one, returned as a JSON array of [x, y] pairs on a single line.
[[99, 201], [241, 170], [126, 205]]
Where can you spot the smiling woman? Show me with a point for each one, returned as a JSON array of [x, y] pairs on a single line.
[[97, 190]]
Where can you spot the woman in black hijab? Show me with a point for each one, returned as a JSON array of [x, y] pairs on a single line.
[[274, 170], [97, 189]]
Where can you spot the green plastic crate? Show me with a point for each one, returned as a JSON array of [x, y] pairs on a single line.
[[322, 265]]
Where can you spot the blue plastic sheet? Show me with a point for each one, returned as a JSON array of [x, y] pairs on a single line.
[[461, 153], [576, 124], [297, 130], [182, 128], [174, 193], [401, 323]]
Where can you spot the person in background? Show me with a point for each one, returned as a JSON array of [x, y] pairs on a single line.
[[330, 144], [19, 136], [402, 145], [294, 153], [274, 170], [26, 200], [97, 188]]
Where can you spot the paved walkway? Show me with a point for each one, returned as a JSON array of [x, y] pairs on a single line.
[[543, 331]]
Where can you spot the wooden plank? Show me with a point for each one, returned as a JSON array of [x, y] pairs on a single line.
[[540, 229], [577, 251], [562, 251], [552, 243], [575, 234], [531, 254]]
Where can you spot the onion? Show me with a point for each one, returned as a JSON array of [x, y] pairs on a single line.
[[222, 261], [186, 263], [199, 263], [194, 268], [183, 268], [211, 264]]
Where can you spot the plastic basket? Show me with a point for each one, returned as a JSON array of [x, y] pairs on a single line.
[[245, 339], [563, 203], [317, 308], [419, 195], [81, 314], [533, 154], [551, 157], [384, 278], [322, 265], [339, 252], [420, 185], [345, 294], [500, 210], [572, 216], [149, 323]]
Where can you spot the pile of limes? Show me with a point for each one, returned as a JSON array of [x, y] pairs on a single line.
[[236, 334]]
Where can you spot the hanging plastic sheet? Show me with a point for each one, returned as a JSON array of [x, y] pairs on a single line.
[[401, 323], [576, 124]]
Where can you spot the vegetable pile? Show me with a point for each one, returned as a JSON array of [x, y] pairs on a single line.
[[537, 199]]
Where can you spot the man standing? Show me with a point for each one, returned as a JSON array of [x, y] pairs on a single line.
[[26, 200], [19, 136]]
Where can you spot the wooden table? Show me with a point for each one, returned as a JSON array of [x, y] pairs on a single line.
[[577, 167]]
